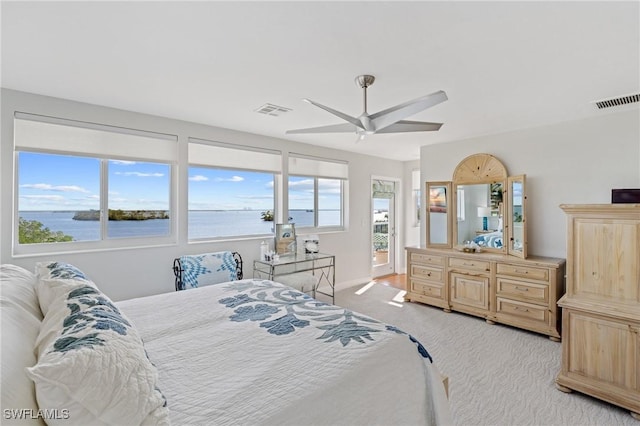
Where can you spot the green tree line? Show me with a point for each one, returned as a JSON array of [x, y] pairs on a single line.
[[32, 231]]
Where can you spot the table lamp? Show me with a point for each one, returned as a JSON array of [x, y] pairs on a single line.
[[484, 213]]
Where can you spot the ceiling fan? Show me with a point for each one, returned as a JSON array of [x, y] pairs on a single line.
[[390, 120]]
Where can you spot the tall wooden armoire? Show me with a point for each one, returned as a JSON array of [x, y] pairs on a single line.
[[601, 307]]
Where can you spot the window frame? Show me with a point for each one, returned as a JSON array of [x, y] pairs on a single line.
[[218, 155], [104, 242], [167, 145], [316, 227]]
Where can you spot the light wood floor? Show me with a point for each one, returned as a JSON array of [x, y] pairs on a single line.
[[396, 280]]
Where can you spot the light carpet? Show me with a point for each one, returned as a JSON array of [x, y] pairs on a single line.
[[498, 375]]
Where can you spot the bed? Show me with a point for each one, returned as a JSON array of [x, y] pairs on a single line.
[[489, 239], [239, 352]]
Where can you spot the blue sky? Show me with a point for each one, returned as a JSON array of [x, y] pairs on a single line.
[[58, 182]]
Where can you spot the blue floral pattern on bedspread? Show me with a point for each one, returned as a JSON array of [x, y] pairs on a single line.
[[282, 310]]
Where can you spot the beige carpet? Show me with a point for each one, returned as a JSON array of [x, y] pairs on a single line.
[[498, 375]]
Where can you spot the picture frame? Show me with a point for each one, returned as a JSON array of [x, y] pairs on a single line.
[[438, 199], [285, 239]]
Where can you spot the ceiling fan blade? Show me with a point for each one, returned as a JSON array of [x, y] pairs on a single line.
[[334, 128], [350, 119], [389, 116], [411, 126]]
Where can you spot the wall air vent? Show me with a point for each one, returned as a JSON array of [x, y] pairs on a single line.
[[271, 109], [620, 100]]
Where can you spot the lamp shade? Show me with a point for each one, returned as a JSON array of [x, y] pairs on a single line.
[[484, 211]]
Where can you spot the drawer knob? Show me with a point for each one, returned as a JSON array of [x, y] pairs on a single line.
[[517, 308], [521, 288]]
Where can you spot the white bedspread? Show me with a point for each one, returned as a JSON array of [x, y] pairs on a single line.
[[256, 352]]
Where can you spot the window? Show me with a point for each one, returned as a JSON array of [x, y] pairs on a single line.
[[302, 198], [231, 190], [139, 195], [59, 192], [71, 190], [316, 192], [416, 194], [460, 206]]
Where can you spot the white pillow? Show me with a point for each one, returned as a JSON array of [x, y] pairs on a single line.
[[20, 317], [92, 361], [59, 271]]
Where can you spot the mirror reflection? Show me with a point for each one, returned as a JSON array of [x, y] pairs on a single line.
[[517, 240], [438, 206], [479, 213]]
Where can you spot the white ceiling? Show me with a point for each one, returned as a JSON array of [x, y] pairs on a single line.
[[504, 65]]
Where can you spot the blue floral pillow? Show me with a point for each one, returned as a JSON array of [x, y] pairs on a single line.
[[60, 273], [61, 270], [91, 360]]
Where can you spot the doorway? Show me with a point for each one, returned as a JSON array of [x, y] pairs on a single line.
[[383, 226]]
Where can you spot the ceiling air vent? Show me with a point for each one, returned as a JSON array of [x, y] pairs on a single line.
[[271, 109], [620, 100]]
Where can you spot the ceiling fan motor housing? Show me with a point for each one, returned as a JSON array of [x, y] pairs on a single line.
[[364, 81]]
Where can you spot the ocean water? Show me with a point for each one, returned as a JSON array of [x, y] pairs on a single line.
[[202, 224]]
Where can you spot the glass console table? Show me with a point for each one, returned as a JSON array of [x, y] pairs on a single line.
[[307, 272]]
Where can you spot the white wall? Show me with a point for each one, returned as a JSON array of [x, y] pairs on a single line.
[[130, 273], [573, 162]]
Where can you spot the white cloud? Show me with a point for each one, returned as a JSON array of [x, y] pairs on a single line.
[[232, 179], [198, 178], [43, 197], [255, 197], [305, 185], [57, 188], [123, 162], [140, 174]]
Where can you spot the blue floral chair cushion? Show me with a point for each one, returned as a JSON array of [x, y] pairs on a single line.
[[199, 270]]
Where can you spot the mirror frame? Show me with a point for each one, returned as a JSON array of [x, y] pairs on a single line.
[[510, 209], [480, 169], [449, 206]]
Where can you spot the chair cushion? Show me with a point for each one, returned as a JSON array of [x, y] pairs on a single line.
[[208, 268]]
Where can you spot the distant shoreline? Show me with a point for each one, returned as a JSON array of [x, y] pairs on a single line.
[[123, 215]]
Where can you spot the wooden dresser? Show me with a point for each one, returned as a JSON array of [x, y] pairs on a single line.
[[500, 288], [601, 309]]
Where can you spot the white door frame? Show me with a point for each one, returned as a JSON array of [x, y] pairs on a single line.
[[393, 227]]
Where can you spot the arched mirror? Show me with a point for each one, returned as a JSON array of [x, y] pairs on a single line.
[[483, 209], [438, 214], [479, 185]]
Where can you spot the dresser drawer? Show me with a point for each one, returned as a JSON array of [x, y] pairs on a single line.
[[522, 310], [427, 273], [520, 290], [427, 289], [427, 258], [470, 264], [528, 272]]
